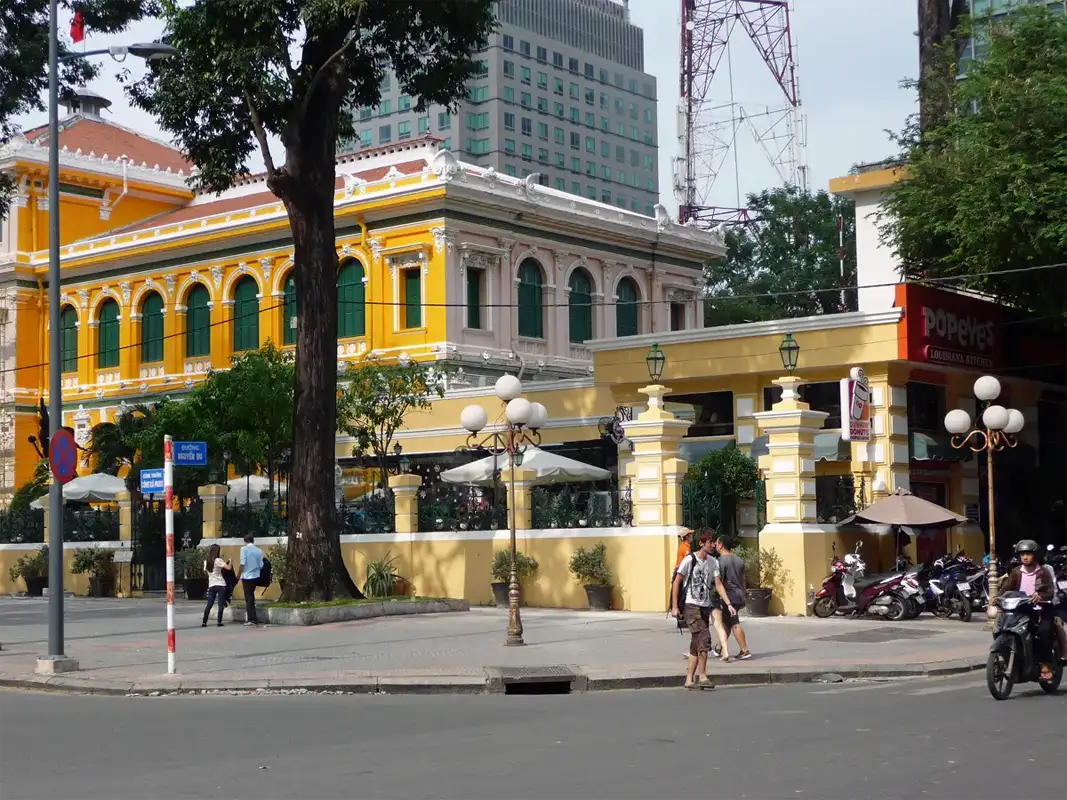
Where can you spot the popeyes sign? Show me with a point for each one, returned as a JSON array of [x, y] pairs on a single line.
[[950, 329]]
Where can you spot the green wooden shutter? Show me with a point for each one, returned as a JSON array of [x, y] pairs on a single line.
[[412, 298], [246, 316], [108, 335], [581, 309], [474, 298], [68, 339], [626, 309], [289, 318], [198, 323], [152, 329], [531, 314], [351, 301]]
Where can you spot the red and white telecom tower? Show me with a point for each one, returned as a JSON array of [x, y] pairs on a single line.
[[710, 120]]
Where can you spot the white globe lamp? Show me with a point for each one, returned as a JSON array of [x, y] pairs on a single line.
[[518, 411], [473, 418], [538, 416], [1016, 420], [957, 422], [508, 387], [987, 388], [995, 418]]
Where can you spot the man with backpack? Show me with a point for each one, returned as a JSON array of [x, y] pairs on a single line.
[[251, 567], [696, 586]]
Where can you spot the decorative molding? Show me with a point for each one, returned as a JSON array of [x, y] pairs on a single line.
[[195, 277], [83, 296], [266, 265], [443, 239], [376, 249], [124, 286], [216, 276], [445, 166]]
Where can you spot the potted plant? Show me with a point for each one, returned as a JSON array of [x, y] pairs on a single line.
[[190, 562], [99, 563], [764, 570], [381, 578], [591, 569], [278, 555], [525, 566], [33, 569]]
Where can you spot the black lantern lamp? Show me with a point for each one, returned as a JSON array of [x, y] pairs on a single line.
[[655, 361], [405, 465], [398, 449], [789, 350]]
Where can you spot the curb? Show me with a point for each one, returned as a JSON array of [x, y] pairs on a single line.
[[324, 615], [491, 681]]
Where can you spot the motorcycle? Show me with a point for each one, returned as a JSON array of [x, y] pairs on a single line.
[[946, 590], [1011, 656], [846, 591]]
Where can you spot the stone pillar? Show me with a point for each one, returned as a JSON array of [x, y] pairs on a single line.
[[792, 531], [214, 496], [656, 471], [123, 569], [747, 400], [129, 355], [405, 491]]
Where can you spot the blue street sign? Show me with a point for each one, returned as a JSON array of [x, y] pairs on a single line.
[[190, 454], [151, 481]]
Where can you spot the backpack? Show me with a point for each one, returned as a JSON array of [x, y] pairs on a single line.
[[266, 577], [683, 590]]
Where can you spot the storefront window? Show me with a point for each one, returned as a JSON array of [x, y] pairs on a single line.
[[713, 413], [824, 396], [926, 407]]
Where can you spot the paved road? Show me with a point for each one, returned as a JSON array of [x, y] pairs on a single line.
[[125, 640], [936, 738]]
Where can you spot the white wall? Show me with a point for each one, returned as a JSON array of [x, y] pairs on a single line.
[[875, 263]]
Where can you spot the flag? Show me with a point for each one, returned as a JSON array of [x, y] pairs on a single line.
[[77, 28]]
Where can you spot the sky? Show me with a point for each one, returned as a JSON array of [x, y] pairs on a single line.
[[851, 54]]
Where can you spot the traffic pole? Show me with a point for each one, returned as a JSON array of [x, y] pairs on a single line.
[[168, 494]]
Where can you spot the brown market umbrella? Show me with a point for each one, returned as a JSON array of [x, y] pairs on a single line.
[[904, 508]]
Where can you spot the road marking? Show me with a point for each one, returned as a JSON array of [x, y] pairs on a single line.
[[941, 689]]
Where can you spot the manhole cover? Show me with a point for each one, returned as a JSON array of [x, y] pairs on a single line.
[[877, 635]]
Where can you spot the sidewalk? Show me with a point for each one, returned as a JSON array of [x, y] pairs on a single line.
[[121, 647]]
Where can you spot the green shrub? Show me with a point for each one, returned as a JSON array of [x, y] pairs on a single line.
[[381, 577], [524, 564], [189, 563], [278, 555], [590, 566], [97, 561], [34, 565]]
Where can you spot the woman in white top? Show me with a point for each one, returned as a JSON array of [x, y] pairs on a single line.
[[216, 583]]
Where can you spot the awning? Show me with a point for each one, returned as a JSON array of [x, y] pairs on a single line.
[[828, 447], [693, 450], [547, 468], [924, 447]]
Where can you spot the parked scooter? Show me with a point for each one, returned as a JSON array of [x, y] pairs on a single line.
[[846, 591], [944, 591], [1011, 657]]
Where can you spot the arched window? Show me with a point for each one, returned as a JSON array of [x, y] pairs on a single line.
[[581, 306], [351, 301], [531, 312], [246, 315], [626, 317], [107, 345], [152, 329], [289, 317], [198, 323], [68, 339]]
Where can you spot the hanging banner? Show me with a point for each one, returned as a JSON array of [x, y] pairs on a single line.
[[855, 407]]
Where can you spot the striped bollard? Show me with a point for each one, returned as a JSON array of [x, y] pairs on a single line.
[[168, 489]]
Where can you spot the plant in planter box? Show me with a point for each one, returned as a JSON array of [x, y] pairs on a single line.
[[33, 569], [278, 556], [591, 569], [99, 563], [525, 566], [765, 573], [189, 563]]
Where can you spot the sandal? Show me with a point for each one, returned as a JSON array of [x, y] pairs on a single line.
[[705, 684]]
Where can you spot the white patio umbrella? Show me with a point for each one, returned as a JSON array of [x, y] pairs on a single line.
[[548, 467], [95, 488], [250, 490]]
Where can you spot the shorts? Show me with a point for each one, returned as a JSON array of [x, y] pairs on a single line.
[[697, 618]]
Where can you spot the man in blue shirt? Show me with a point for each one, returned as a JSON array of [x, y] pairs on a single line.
[[251, 564]]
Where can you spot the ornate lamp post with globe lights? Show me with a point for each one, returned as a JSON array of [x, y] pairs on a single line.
[[997, 431], [522, 423]]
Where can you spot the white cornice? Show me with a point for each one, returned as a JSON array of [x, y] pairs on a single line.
[[852, 319]]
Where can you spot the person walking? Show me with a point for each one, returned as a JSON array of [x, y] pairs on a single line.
[[251, 564], [217, 585], [698, 574], [732, 568]]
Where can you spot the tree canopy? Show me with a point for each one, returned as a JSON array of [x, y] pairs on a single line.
[[787, 263], [985, 190]]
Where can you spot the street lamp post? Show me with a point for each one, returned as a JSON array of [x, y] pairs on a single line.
[[149, 51], [997, 431], [522, 423]]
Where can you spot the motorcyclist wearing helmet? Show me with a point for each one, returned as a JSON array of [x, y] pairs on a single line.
[[1032, 579]]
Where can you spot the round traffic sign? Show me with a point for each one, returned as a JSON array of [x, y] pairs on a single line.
[[63, 456]]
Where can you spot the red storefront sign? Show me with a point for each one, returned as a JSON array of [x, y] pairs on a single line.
[[941, 327]]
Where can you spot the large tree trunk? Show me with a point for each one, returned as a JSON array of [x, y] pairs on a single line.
[[316, 570]]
